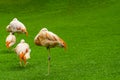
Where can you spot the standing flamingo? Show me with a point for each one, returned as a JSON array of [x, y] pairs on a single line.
[[16, 26], [10, 40], [23, 51], [49, 40]]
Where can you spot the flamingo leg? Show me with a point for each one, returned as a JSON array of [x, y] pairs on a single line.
[[49, 61], [20, 63], [24, 58], [20, 56]]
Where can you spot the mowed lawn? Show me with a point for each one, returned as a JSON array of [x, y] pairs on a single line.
[[91, 29]]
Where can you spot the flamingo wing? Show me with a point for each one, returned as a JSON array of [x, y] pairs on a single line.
[[51, 36]]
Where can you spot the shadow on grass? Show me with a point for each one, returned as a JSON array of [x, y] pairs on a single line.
[[6, 51], [20, 68], [29, 67]]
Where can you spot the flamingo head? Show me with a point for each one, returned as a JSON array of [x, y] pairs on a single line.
[[63, 44], [25, 31]]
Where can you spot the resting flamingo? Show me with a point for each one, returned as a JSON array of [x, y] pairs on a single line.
[[16, 26], [49, 40], [10, 40], [23, 51]]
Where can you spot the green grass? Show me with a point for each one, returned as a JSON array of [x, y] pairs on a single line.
[[89, 27]]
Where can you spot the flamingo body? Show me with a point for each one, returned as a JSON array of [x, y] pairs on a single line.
[[16, 26], [48, 39], [10, 40], [23, 51]]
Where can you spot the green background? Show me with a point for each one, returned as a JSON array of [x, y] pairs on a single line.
[[91, 29]]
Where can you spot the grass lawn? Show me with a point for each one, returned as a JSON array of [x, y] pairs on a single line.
[[91, 29]]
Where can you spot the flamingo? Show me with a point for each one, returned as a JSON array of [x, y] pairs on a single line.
[[23, 51], [49, 40], [10, 40], [16, 26]]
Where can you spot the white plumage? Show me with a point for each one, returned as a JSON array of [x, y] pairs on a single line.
[[10, 40], [16, 26], [23, 51], [48, 39]]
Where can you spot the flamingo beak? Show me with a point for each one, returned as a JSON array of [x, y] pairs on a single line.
[[7, 44], [64, 45], [26, 33]]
